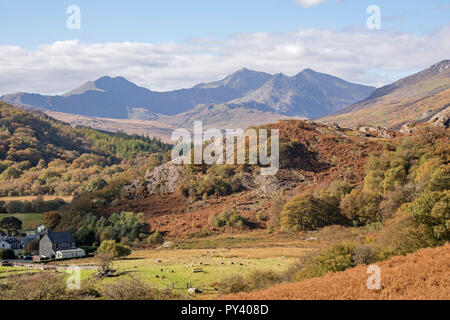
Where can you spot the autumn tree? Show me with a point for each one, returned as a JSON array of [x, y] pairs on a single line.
[[51, 219]]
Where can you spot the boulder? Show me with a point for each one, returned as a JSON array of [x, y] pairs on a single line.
[[194, 291], [441, 119], [377, 131], [407, 128], [161, 180]]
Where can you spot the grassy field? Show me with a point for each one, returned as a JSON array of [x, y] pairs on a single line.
[[218, 256], [29, 220], [11, 271], [173, 268]]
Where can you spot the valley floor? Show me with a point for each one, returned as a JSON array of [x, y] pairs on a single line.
[[215, 257]]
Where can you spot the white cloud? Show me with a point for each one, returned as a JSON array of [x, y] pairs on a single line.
[[309, 3], [374, 58]]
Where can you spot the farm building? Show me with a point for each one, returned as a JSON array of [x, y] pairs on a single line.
[[12, 244], [62, 242], [71, 253]]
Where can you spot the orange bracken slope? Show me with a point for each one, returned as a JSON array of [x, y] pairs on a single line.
[[424, 275]]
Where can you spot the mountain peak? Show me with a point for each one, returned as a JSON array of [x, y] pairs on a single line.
[[243, 80], [442, 66], [308, 70], [102, 84], [107, 81]]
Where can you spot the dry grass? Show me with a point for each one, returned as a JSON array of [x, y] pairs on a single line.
[[30, 198], [424, 275]]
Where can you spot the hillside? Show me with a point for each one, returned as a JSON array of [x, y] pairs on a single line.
[[40, 155], [307, 94], [311, 154], [424, 275], [212, 116], [413, 99]]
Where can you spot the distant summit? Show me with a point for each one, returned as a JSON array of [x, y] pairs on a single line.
[[103, 84], [308, 94], [412, 99]]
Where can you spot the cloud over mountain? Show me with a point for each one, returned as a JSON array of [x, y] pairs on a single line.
[[373, 58]]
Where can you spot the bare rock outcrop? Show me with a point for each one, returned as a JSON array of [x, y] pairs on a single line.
[[161, 180], [376, 131], [441, 119]]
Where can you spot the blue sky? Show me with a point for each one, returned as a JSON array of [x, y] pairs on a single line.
[[175, 44], [32, 23]]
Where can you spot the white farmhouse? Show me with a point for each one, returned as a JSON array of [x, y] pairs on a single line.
[[70, 253]]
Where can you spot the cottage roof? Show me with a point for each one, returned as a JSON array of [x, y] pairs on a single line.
[[57, 237], [11, 240], [71, 250]]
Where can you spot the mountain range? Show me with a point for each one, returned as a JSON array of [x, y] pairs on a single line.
[[247, 98], [413, 99], [308, 94]]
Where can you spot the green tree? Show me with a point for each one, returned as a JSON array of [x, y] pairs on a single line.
[[11, 173], [362, 207], [301, 213], [432, 210], [11, 224], [95, 184], [7, 254], [117, 250]]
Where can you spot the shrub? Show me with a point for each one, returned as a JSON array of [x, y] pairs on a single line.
[[338, 258], [11, 173], [275, 210], [32, 246], [432, 211], [134, 289], [394, 178], [365, 254], [253, 281], [394, 199], [104, 261], [156, 238], [233, 284], [401, 235], [7, 254], [37, 286], [116, 250], [218, 181], [96, 184], [361, 207], [228, 218], [89, 249]]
